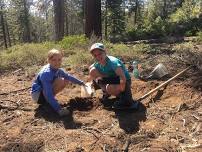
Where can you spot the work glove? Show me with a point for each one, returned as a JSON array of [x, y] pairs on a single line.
[[64, 112]]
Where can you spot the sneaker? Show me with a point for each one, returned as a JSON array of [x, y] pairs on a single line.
[[134, 105], [105, 101], [128, 105], [64, 112], [118, 104], [105, 96]]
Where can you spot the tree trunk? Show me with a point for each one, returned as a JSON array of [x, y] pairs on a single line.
[[106, 20], [26, 35], [164, 9], [7, 33], [59, 19], [83, 14], [3, 27], [93, 18], [66, 24], [136, 11], [66, 19]]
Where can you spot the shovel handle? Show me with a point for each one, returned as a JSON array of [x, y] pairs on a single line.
[[163, 84]]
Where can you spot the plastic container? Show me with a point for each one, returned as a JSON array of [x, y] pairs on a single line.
[[135, 69], [159, 71], [87, 91]]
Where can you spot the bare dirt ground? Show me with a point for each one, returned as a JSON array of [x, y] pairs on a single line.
[[168, 120]]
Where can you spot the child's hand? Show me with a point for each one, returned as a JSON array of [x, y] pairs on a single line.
[[83, 84]]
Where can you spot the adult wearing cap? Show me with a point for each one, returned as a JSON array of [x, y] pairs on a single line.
[[110, 74]]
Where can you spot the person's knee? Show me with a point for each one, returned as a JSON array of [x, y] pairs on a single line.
[[59, 84], [93, 72], [112, 90]]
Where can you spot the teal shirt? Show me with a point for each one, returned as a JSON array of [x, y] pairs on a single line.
[[110, 67]]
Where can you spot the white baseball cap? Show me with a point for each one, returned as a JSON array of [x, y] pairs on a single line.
[[99, 46]]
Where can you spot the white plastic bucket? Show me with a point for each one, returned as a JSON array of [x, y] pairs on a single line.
[[87, 91], [159, 71]]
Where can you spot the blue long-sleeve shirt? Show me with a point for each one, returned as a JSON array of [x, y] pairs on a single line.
[[44, 81]]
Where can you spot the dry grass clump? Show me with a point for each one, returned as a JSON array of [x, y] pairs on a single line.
[[189, 54]]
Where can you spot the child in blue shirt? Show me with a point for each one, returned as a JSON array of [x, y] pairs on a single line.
[[51, 80]]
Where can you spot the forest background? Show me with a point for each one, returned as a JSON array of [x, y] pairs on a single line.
[[31, 27]]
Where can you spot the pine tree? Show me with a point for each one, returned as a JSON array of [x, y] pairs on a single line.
[[20, 20], [3, 28], [116, 19], [59, 19]]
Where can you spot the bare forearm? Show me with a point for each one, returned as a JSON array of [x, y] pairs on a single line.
[[121, 74], [122, 84]]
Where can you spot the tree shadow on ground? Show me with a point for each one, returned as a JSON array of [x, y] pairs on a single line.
[[45, 111], [196, 80], [159, 93], [129, 119]]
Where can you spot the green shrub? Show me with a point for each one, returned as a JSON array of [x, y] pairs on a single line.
[[28, 55], [119, 50], [136, 34], [128, 52], [199, 36], [108, 45], [158, 28], [21, 56], [142, 48], [70, 42], [49, 45], [183, 47], [76, 60]]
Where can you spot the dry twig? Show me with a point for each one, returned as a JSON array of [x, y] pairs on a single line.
[[126, 145], [15, 91], [184, 122]]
